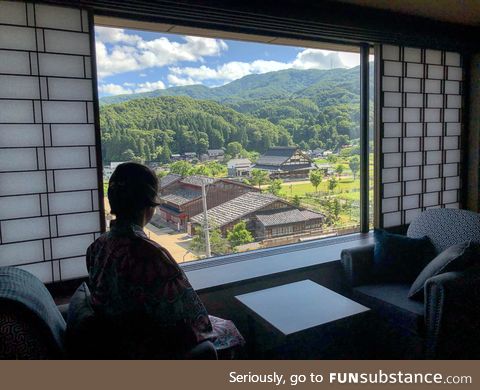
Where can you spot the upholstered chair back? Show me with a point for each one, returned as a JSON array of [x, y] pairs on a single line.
[[446, 227]]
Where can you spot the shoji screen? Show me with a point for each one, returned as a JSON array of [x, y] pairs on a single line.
[[49, 201], [420, 134]]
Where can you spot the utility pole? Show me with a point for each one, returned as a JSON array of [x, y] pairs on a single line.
[[205, 221]]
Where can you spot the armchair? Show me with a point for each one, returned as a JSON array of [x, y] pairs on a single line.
[[447, 325]]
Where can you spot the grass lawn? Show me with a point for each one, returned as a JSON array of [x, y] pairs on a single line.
[[301, 188]]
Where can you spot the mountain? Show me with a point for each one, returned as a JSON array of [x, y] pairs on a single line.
[[309, 108], [272, 85]]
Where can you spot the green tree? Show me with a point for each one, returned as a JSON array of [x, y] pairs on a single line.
[[239, 235], [296, 201], [234, 149], [182, 168], [316, 177], [275, 187], [218, 244], [128, 155], [339, 170], [259, 177], [354, 164], [332, 183], [165, 155]]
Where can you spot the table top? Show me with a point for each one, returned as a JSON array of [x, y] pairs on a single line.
[[298, 306]]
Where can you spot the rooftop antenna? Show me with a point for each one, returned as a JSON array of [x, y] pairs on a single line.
[[208, 251]]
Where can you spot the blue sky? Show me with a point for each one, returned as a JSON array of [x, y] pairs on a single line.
[[130, 61]]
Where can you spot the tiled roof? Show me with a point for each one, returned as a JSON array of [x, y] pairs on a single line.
[[237, 208], [169, 179], [239, 161], [181, 196], [276, 156], [284, 217], [197, 180]]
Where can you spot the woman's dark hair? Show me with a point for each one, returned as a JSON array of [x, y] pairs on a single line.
[[132, 188]]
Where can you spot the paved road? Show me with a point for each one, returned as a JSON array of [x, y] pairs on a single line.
[[176, 243]]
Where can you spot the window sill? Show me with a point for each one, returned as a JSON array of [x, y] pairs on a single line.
[[228, 270]]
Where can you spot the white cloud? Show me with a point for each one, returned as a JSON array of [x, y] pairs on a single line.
[[179, 81], [113, 89], [129, 88], [306, 59], [149, 86], [115, 35], [120, 52], [317, 59]]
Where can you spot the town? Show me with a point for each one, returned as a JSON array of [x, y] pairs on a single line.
[[283, 196]]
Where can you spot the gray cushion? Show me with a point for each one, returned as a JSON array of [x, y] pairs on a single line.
[[456, 258], [391, 301], [446, 227]]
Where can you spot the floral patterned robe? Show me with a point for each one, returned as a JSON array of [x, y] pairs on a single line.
[[129, 272]]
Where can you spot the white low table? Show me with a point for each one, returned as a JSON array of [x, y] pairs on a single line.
[[296, 307]]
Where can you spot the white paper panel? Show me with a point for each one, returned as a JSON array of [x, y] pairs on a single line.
[[78, 223], [73, 268], [413, 187], [72, 180], [414, 129], [18, 160], [454, 128], [392, 130], [433, 56], [392, 219], [25, 229], [392, 189], [19, 206], [68, 202], [21, 253], [452, 87], [14, 62], [63, 157], [15, 111], [412, 54], [411, 173], [431, 199], [61, 65], [64, 112], [421, 131], [47, 140], [17, 38], [412, 85], [433, 86], [413, 158], [63, 135], [410, 202], [450, 170], [434, 185], [58, 17], [22, 183], [71, 246], [19, 87], [389, 205], [431, 171], [67, 42], [70, 89], [13, 13], [414, 100]]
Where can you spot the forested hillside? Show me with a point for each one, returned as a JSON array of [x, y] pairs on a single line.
[[310, 108]]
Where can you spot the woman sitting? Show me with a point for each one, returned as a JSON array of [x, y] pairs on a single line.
[[135, 283]]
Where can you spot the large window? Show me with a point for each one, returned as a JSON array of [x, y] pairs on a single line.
[[266, 135]]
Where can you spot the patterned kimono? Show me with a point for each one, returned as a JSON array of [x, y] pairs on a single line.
[[131, 273]]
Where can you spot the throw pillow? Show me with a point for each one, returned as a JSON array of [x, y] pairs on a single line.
[[456, 258], [398, 258]]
